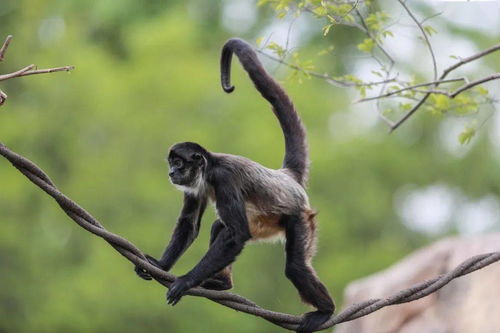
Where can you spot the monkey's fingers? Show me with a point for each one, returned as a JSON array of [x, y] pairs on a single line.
[[142, 273], [174, 295], [153, 261], [177, 289]]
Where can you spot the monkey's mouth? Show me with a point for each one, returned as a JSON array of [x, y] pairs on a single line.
[[177, 180]]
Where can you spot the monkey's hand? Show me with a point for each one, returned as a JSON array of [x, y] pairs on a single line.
[[178, 288], [142, 273]]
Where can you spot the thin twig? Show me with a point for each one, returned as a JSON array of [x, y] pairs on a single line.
[[431, 17], [474, 83], [16, 73], [4, 47], [3, 97], [354, 6], [369, 34], [469, 59], [49, 70], [427, 41], [445, 73], [338, 19], [328, 78], [394, 92], [28, 70]]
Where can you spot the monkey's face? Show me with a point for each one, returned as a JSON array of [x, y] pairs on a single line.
[[186, 168]]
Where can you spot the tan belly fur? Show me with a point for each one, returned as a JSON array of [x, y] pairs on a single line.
[[263, 226]]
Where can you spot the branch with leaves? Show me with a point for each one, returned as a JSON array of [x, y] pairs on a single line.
[[28, 70], [376, 25]]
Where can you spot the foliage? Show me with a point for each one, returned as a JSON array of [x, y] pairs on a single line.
[[376, 25]]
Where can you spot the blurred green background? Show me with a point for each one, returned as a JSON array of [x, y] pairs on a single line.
[[146, 77]]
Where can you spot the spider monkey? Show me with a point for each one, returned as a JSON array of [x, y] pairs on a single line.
[[252, 201]]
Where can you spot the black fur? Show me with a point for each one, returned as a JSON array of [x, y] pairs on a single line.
[[296, 152], [298, 269], [222, 280]]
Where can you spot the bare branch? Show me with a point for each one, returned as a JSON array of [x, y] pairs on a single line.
[[469, 59], [394, 92], [16, 73], [410, 113], [474, 83], [4, 47], [48, 70], [427, 41], [28, 70], [431, 17], [3, 97], [328, 78]]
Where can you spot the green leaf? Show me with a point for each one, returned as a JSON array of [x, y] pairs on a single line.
[[320, 11], [406, 106], [326, 29], [259, 40], [481, 90], [430, 30], [276, 48], [387, 33], [442, 102], [326, 51], [367, 45], [467, 134]]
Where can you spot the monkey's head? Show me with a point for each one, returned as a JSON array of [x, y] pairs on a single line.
[[187, 161]]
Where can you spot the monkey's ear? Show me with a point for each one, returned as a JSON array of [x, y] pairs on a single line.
[[196, 157]]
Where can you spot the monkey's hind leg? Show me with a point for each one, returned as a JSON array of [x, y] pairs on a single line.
[[222, 280], [300, 242]]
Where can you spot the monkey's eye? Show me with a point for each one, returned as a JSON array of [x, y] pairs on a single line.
[[177, 163], [196, 157]]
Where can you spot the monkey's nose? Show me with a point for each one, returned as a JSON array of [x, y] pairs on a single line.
[[171, 173]]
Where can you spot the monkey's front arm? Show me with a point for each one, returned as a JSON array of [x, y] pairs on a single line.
[[185, 232], [228, 244]]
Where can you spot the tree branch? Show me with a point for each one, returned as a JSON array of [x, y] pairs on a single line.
[[473, 84], [445, 73], [28, 70], [470, 58], [394, 92], [326, 77], [427, 41], [4, 47], [369, 34]]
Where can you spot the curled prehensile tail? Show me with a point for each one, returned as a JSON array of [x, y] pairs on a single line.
[[296, 151]]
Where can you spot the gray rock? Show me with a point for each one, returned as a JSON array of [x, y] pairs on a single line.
[[467, 304]]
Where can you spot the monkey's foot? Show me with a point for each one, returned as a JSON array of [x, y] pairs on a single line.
[[217, 283], [178, 288], [312, 320]]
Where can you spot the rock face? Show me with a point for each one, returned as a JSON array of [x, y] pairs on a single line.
[[467, 304]]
